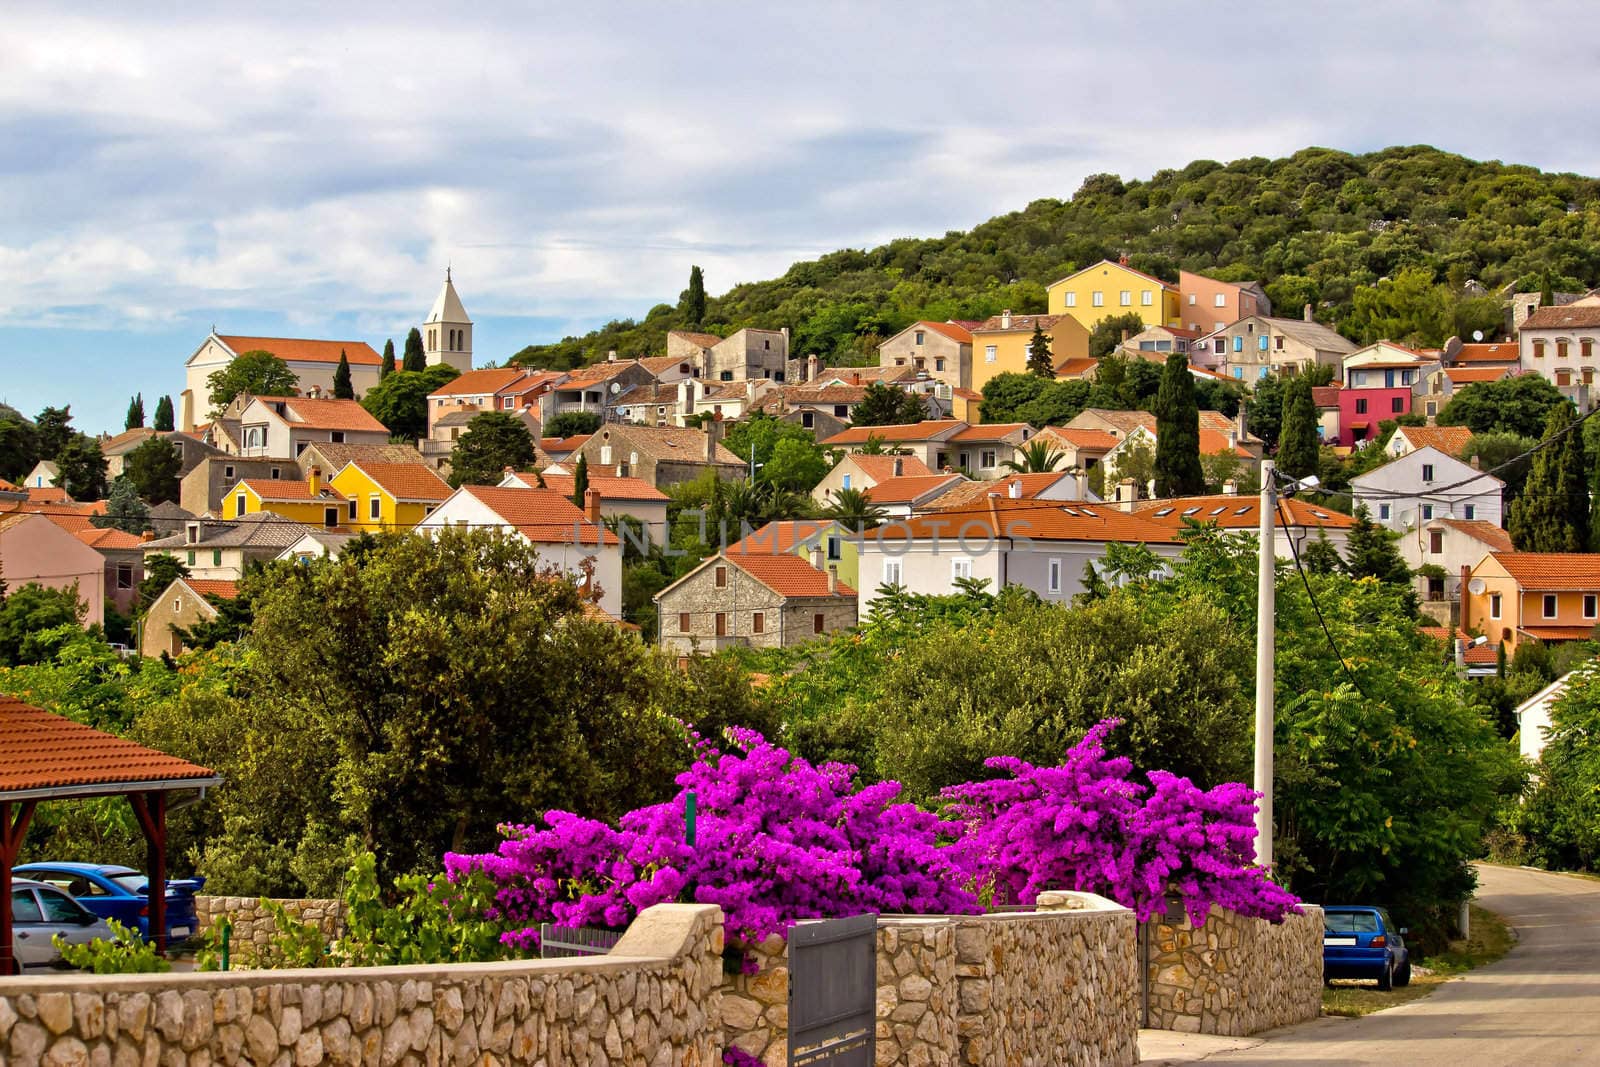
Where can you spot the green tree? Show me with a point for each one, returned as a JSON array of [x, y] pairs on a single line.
[[1264, 410], [400, 401], [164, 420], [53, 427], [1499, 452], [580, 480], [1004, 396], [342, 389], [885, 405], [854, 509], [1136, 460], [125, 510], [572, 424], [1057, 404], [1177, 459], [693, 304], [1035, 457], [19, 446], [1562, 815], [83, 468], [1299, 454], [135, 416], [1370, 551], [416, 359], [35, 622], [1039, 362], [1544, 518], [1107, 335], [493, 441], [257, 372], [160, 571], [1519, 405], [386, 368], [1408, 308], [786, 455], [1319, 555], [153, 468]]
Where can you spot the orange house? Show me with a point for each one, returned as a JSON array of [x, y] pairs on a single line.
[[1512, 597]]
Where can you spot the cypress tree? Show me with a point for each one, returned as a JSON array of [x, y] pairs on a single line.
[[1177, 466], [1039, 361], [1573, 487], [388, 360], [164, 420], [415, 359], [1298, 455], [135, 418], [342, 389], [1542, 516], [694, 300], [580, 480]]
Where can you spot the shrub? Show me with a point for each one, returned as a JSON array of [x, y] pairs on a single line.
[[127, 954]]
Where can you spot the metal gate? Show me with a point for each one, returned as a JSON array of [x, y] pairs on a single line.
[[833, 992]]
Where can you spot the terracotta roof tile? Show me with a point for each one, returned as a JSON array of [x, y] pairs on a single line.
[[1325, 396], [704, 340], [563, 444], [1487, 532], [1090, 439], [300, 350], [1076, 367], [1559, 633], [976, 494], [1451, 440], [327, 414], [1552, 570], [609, 487], [911, 490], [658, 365], [280, 489], [956, 331], [1038, 520], [481, 382], [48, 494], [108, 538], [407, 481], [990, 431], [1212, 442], [664, 442], [880, 467], [1562, 318], [926, 430], [45, 751], [1499, 352], [541, 515], [1468, 375], [1232, 512], [217, 587], [787, 575], [781, 536], [992, 324]]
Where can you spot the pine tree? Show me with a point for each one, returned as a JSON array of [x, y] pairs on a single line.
[[135, 419], [1542, 516], [1573, 488], [1370, 551], [1546, 297], [342, 389], [388, 360], [1298, 455], [580, 480], [1039, 361], [125, 509], [415, 359], [694, 299], [1319, 555], [164, 421], [1177, 466]]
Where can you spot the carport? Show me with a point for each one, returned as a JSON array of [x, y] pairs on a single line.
[[45, 756]]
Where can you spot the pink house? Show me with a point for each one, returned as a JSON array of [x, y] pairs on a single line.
[[1378, 384], [34, 550], [1207, 305]]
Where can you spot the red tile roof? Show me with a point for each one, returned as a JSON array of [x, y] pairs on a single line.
[[781, 536], [992, 324], [976, 494], [299, 350], [1232, 512], [1476, 654], [406, 481], [280, 489], [480, 382], [1212, 442], [1325, 396], [1487, 532], [563, 444], [1559, 633], [986, 432], [1036, 520], [217, 587], [328, 414], [1450, 440], [926, 430], [48, 494], [1500, 352], [1090, 439], [1560, 318], [955, 331], [48, 751], [909, 490], [1076, 367], [704, 340], [609, 487], [1468, 375], [541, 515], [787, 575], [1552, 570], [108, 538], [880, 467]]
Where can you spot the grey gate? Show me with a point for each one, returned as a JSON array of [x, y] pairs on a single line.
[[833, 992]]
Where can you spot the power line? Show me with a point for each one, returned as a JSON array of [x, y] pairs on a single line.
[[1326, 633]]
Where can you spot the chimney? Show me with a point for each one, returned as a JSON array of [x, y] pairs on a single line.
[[1233, 437], [816, 556], [611, 356], [1122, 259], [1476, 463], [591, 505], [1124, 336], [833, 579], [1230, 488], [314, 480], [148, 535], [1127, 493], [1150, 489], [1241, 427], [812, 367], [1080, 479], [1015, 490], [1005, 319], [1466, 576], [1461, 655], [1306, 312], [713, 435], [994, 511], [785, 332], [899, 466]]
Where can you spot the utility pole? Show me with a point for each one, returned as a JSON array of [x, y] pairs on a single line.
[[1266, 636]]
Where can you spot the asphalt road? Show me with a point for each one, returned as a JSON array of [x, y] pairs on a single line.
[[1538, 1006]]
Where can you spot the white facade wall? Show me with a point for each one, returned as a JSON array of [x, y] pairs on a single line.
[[1400, 496]]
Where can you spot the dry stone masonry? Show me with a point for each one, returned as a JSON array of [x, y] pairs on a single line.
[[253, 925], [1235, 976], [654, 1002]]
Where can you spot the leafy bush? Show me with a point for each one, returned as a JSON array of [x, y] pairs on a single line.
[[127, 954]]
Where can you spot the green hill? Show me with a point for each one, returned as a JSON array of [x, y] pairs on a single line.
[[1321, 226]]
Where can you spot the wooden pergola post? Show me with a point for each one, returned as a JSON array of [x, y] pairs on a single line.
[[12, 831], [151, 810]]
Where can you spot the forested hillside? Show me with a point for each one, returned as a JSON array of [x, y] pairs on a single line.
[[1384, 245]]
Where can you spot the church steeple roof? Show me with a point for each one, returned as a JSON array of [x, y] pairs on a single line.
[[447, 308]]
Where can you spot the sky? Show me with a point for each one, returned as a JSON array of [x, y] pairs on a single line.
[[309, 170]]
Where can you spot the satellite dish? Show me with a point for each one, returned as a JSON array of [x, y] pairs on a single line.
[[615, 388], [1408, 519], [1477, 335], [1477, 586]]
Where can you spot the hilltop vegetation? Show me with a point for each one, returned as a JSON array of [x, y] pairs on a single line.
[[1319, 227]]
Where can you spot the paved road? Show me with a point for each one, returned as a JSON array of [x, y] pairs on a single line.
[[1538, 1006]]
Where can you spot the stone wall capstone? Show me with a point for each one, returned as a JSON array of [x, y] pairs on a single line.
[[654, 1001], [1235, 976]]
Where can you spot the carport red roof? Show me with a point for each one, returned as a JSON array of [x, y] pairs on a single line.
[[50, 755]]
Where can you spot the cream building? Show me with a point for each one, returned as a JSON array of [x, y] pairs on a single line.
[[447, 331]]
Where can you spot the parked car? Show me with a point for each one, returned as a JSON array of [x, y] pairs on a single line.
[[113, 892], [1363, 942], [40, 911]]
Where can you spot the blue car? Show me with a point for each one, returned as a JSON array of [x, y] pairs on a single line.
[[1361, 942], [113, 892]]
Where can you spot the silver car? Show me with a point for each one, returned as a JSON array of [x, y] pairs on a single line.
[[39, 912]]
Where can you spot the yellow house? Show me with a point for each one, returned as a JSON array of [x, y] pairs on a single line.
[[1000, 344], [308, 501], [1107, 289], [388, 496]]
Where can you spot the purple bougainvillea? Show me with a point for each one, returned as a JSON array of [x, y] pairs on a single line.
[[779, 840]]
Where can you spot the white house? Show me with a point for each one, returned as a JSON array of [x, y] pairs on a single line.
[[1452, 544], [313, 364], [564, 536], [1533, 715], [1425, 484], [287, 425]]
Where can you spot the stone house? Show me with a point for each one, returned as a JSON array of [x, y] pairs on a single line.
[[660, 455], [753, 600], [941, 350], [1259, 345], [593, 388], [34, 550], [180, 606], [1558, 343], [747, 354], [191, 449], [800, 537], [43, 475], [203, 490]]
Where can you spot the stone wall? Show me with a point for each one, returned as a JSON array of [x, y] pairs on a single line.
[[1057, 985], [253, 925], [655, 1000], [1235, 976]]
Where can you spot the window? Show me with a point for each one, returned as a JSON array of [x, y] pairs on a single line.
[[722, 577], [1097, 298], [336, 436], [300, 446], [1072, 300], [891, 572], [988, 353], [722, 624], [1279, 345], [938, 363], [1125, 298], [330, 517], [960, 568], [1361, 406], [1262, 373], [216, 557], [1494, 605], [1147, 298], [1427, 512], [1383, 512], [191, 557], [1238, 344], [1586, 348], [1262, 342], [841, 411], [1191, 300], [1561, 348], [817, 622], [835, 547], [508, 403], [988, 458], [683, 622], [1220, 300], [238, 504], [1220, 345], [1238, 372], [1427, 472], [1055, 576], [1436, 541], [808, 419], [1588, 376], [227, 474], [1397, 404], [919, 337], [1563, 377], [352, 509], [374, 507], [847, 481], [1469, 512], [1549, 605], [758, 623], [1589, 605], [1538, 350], [766, 346], [124, 576], [1432, 408], [275, 473]]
